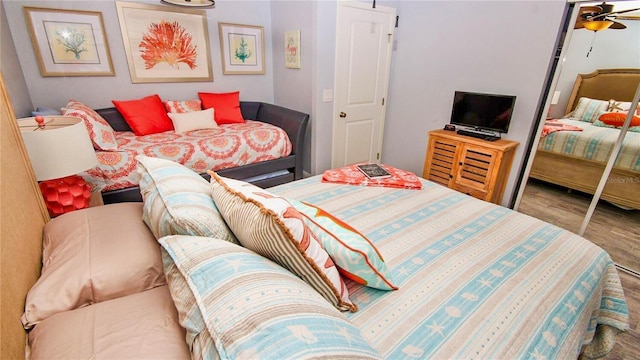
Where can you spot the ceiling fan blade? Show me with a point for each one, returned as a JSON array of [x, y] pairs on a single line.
[[613, 13], [618, 26]]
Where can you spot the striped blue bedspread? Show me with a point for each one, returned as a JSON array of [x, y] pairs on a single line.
[[477, 281], [594, 143]]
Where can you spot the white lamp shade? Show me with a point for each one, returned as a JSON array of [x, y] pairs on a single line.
[[60, 148]]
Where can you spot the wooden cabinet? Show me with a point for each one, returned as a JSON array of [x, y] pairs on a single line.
[[470, 165]]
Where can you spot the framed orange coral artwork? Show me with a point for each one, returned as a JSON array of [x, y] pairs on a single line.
[[165, 44]]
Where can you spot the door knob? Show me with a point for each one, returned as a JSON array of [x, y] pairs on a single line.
[[343, 114]]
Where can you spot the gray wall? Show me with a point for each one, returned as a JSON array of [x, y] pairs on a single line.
[[99, 91], [440, 47]]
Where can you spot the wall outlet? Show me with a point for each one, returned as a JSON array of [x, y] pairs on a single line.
[[327, 95]]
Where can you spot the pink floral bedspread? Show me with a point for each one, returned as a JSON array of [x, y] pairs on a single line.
[[228, 146]]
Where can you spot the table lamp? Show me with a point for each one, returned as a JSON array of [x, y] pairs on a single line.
[[59, 148]]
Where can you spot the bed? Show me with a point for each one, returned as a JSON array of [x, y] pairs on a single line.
[[576, 160], [444, 275], [266, 150]]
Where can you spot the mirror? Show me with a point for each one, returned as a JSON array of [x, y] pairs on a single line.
[[569, 163]]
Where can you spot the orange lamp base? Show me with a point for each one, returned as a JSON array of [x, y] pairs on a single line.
[[65, 194]]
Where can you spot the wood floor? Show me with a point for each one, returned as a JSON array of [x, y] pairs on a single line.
[[614, 229]]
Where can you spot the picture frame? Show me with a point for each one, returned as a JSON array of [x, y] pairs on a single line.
[[292, 49], [242, 49], [69, 42], [145, 30]]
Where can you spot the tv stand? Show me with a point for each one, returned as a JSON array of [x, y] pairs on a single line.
[[476, 133]]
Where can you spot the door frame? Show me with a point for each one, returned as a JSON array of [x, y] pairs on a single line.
[[383, 109]]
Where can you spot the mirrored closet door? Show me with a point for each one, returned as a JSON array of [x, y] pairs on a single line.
[[570, 153]]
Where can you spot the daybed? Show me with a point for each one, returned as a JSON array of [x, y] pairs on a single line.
[[265, 160], [425, 273], [576, 159]]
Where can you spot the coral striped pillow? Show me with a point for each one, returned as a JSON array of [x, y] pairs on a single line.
[[355, 255], [272, 227]]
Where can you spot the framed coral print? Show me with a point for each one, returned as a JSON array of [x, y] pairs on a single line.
[[242, 48], [292, 49], [150, 34], [69, 42]]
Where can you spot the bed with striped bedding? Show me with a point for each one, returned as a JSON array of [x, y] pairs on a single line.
[[594, 143], [476, 280]]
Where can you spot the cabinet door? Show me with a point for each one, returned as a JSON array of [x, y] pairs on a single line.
[[475, 170], [441, 161]]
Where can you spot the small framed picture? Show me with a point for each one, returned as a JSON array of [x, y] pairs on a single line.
[[69, 42], [241, 48], [292, 49]]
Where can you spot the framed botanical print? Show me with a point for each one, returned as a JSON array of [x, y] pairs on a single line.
[[150, 34], [292, 49], [69, 42], [242, 48]]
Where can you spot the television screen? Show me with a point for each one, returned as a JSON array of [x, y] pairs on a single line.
[[482, 111]]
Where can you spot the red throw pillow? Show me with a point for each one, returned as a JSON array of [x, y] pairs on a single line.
[[617, 119], [145, 116], [226, 106]]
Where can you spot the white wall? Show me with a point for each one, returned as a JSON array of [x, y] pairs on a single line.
[[99, 91], [610, 49], [502, 47]]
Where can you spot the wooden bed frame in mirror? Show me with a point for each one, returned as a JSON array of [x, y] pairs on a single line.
[[575, 173]]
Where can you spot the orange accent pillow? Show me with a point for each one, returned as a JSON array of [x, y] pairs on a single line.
[[617, 119], [226, 106], [145, 116]]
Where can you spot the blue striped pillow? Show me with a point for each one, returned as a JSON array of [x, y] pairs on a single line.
[[254, 308], [177, 201]]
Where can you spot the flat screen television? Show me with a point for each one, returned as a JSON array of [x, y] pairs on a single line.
[[482, 111]]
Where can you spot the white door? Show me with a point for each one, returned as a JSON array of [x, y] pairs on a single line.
[[363, 58]]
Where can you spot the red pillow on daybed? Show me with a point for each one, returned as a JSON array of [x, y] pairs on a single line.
[[145, 116], [617, 119], [225, 105]]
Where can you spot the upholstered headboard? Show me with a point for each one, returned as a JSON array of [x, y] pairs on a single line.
[[605, 84], [23, 215]]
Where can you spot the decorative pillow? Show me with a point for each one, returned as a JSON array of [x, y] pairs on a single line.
[[112, 328], [177, 201], [255, 309], [355, 256], [602, 124], [270, 226], [101, 133], [193, 120], [92, 255], [182, 106], [621, 106], [588, 109], [189, 315], [145, 116], [616, 119], [227, 106]]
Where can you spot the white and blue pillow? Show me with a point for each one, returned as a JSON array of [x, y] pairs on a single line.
[[177, 201], [254, 308]]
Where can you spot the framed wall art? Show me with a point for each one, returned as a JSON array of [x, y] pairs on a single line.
[[292, 49], [69, 42], [150, 32], [242, 48]]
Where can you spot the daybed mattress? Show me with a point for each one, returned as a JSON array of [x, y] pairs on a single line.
[[228, 146], [594, 143], [476, 280]]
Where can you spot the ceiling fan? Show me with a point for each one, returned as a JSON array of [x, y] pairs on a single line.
[[601, 17]]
